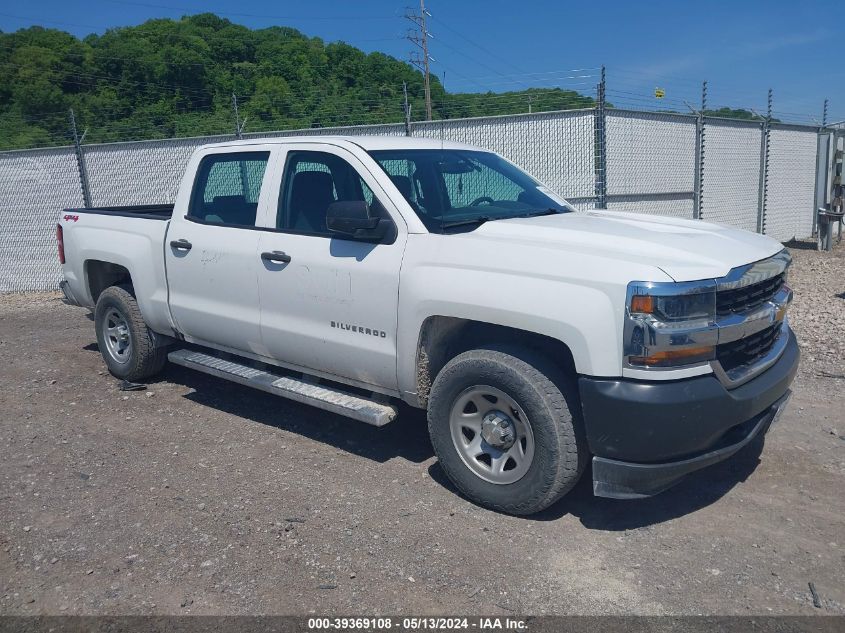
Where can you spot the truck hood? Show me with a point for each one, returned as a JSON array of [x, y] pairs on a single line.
[[686, 250]]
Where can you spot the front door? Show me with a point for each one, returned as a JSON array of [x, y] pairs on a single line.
[[329, 304], [212, 253]]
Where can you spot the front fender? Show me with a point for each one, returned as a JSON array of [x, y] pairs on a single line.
[[574, 298]]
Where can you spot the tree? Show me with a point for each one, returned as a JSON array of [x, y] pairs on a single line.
[[176, 77]]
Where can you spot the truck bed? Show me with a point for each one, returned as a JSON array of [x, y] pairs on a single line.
[[129, 237], [143, 211]]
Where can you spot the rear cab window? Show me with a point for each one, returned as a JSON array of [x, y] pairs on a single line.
[[227, 187]]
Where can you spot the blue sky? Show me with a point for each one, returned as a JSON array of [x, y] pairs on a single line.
[[741, 48]]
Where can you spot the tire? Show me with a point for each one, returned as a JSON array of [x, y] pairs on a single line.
[[541, 405], [132, 351]]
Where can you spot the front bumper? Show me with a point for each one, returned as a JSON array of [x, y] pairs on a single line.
[[647, 435]]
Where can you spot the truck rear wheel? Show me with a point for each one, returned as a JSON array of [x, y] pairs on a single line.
[[131, 349], [505, 426]]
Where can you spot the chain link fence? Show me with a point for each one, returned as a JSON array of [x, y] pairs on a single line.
[[731, 173], [791, 182], [651, 163], [37, 185], [643, 162], [557, 148]]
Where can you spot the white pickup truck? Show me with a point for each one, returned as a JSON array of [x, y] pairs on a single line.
[[352, 273]]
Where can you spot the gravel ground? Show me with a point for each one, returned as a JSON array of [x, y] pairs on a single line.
[[200, 496]]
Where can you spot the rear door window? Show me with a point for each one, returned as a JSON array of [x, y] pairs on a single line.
[[227, 188]]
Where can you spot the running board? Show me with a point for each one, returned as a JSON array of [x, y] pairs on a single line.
[[320, 396]]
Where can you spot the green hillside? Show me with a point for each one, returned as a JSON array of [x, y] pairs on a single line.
[[176, 78]]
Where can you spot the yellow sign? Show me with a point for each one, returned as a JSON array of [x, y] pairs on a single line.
[[659, 93]]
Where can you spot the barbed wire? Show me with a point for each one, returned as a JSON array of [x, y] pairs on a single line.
[[209, 114]]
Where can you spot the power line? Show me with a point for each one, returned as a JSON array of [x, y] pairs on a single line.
[[543, 84], [549, 76], [478, 46], [106, 79], [257, 15], [473, 59], [459, 74], [545, 72], [117, 131], [314, 94], [732, 91], [26, 19], [95, 52], [68, 76], [38, 20]]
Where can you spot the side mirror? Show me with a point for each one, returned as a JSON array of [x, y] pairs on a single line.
[[352, 218]]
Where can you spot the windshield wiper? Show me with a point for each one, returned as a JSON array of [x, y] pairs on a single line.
[[481, 219], [536, 213]]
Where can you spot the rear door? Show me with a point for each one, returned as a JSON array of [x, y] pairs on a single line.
[[331, 307], [212, 252]]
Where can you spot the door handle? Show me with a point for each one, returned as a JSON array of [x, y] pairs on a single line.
[[181, 245], [276, 256]]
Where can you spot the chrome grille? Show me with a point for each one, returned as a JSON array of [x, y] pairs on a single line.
[[749, 349], [739, 300]]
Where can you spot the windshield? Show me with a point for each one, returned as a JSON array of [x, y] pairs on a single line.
[[450, 188]]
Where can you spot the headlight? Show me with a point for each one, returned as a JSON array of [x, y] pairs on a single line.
[[670, 324], [672, 309]]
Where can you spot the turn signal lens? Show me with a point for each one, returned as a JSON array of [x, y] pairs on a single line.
[[675, 357], [642, 304]]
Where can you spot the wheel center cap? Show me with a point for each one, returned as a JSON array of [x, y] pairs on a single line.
[[497, 430]]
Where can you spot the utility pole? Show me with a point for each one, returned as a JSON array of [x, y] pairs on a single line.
[[824, 114], [406, 108], [420, 39], [80, 160]]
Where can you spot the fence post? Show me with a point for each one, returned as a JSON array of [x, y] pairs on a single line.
[[764, 168], [80, 160], [699, 154], [406, 108], [822, 149], [239, 124], [600, 134]]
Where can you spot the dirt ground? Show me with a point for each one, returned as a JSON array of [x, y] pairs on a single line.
[[200, 496]]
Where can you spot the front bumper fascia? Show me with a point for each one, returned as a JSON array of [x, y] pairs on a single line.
[[627, 480], [645, 436]]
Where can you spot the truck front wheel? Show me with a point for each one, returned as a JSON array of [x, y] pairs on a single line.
[[131, 349], [505, 426]]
